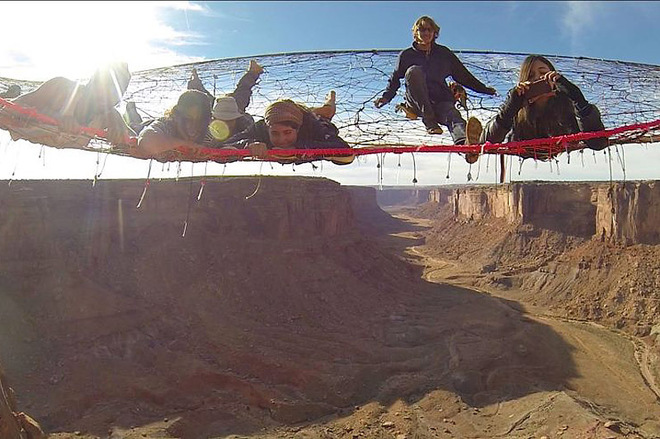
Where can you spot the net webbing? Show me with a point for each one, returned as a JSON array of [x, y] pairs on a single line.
[[626, 94]]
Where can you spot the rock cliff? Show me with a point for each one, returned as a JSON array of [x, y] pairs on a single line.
[[627, 213]]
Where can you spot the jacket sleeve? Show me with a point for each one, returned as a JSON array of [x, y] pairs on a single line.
[[394, 82], [589, 120], [499, 126], [243, 91], [588, 115], [462, 75]]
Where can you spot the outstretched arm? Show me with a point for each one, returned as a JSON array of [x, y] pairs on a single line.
[[393, 83], [462, 75], [153, 142]]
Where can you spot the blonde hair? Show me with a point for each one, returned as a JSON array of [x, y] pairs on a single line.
[[430, 22]]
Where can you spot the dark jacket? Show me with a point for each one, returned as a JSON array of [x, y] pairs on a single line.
[[565, 113], [438, 65], [315, 133]]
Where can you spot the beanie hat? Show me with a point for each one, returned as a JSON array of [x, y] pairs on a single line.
[[284, 111]]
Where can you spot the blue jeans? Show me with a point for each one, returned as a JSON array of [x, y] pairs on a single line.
[[432, 113]]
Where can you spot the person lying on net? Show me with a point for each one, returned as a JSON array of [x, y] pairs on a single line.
[[229, 116], [426, 66], [544, 103], [289, 125], [185, 124], [75, 105]]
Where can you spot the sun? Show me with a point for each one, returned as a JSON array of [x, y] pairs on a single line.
[[71, 39]]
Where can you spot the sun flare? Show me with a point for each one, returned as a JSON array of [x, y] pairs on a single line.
[[73, 38]]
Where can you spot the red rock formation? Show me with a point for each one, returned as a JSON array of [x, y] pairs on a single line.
[[622, 212]]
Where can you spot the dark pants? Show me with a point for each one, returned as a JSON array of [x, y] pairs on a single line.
[[433, 113]]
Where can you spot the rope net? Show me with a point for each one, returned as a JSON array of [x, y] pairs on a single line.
[[626, 94]]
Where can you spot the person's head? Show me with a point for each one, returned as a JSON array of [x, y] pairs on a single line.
[[226, 110], [425, 30], [283, 119], [191, 114], [108, 84], [533, 67]]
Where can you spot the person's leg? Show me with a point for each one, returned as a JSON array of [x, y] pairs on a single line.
[[417, 96], [449, 116], [243, 91], [329, 108]]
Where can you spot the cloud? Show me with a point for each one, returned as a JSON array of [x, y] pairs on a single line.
[[578, 20]]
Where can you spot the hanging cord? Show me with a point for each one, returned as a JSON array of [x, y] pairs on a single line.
[[42, 155], [414, 180], [202, 183], [621, 158], [609, 164], [448, 165], [98, 173], [190, 198], [146, 185], [481, 154], [13, 173], [256, 189], [379, 166], [96, 169]]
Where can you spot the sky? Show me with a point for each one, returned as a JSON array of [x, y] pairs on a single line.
[[46, 39]]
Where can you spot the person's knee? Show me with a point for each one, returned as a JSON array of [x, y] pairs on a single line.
[[415, 73]]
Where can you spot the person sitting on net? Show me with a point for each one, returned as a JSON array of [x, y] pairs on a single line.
[[75, 105], [185, 124], [543, 104], [229, 116], [426, 66], [289, 125]]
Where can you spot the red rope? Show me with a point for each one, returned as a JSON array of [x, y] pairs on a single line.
[[550, 146], [33, 114]]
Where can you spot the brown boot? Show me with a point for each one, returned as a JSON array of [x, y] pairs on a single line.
[[255, 68], [434, 130], [473, 134], [407, 111]]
